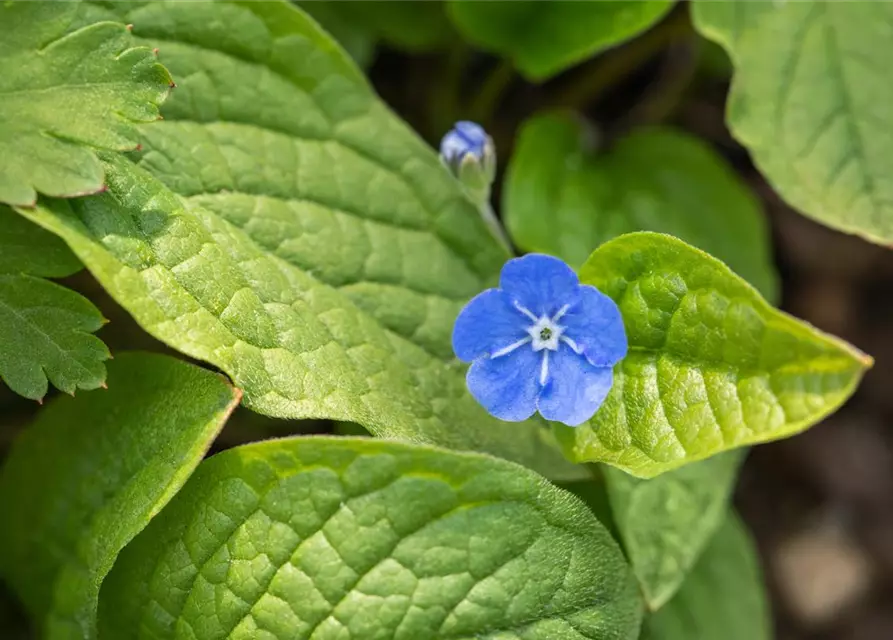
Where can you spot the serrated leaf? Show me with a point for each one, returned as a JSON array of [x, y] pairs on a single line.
[[44, 327], [724, 597], [666, 522], [341, 537], [563, 198], [26, 248], [45, 334], [809, 101], [62, 95], [711, 365], [324, 282], [545, 38], [91, 472]]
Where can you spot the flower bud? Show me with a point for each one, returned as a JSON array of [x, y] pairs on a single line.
[[471, 156]]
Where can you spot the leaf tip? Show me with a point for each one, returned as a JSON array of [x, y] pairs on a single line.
[[155, 52], [129, 27]]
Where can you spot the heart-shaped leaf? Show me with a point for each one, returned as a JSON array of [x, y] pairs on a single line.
[[63, 94], [711, 365], [723, 597], [544, 38], [666, 522], [91, 472], [563, 198], [810, 101], [360, 538]]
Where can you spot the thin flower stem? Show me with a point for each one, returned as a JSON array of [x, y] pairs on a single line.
[[497, 81], [662, 100], [597, 78]]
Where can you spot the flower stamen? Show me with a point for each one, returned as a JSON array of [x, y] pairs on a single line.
[[545, 334]]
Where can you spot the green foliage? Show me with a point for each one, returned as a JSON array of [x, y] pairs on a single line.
[[298, 347], [564, 199], [26, 248], [62, 95], [810, 101], [45, 329], [545, 38], [343, 537], [666, 522], [356, 38], [414, 26], [711, 366], [91, 472], [723, 598], [319, 300]]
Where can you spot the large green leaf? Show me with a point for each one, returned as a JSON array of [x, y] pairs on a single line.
[[711, 365], [45, 329], [544, 38], [723, 598], [665, 522], [298, 347], [810, 101], [61, 95], [562, 198], [91, 472], [357, 538], [320, 252]]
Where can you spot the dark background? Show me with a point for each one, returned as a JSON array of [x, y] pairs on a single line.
[[819, 504]]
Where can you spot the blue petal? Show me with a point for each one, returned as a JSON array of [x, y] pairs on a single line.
[[488, 323], [595, 325], [542, 284], [574, 388], [465, 137], [507, 386]]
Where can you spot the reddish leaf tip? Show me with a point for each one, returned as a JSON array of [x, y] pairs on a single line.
[[155, 51], [129, 27]]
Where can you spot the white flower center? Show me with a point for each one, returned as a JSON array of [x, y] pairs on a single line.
[[545, 334]]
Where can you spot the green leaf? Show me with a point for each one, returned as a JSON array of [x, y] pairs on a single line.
[[413, 25], [44, 327], [91, 472], [360, 538], [666, 522], [324, 282], [564, 199], [62, 95], [711, 365], [545, 38], [26, 248], [810, 102], [723, 598]]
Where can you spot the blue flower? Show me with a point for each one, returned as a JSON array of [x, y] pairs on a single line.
[[541, 341], [470, 154]]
